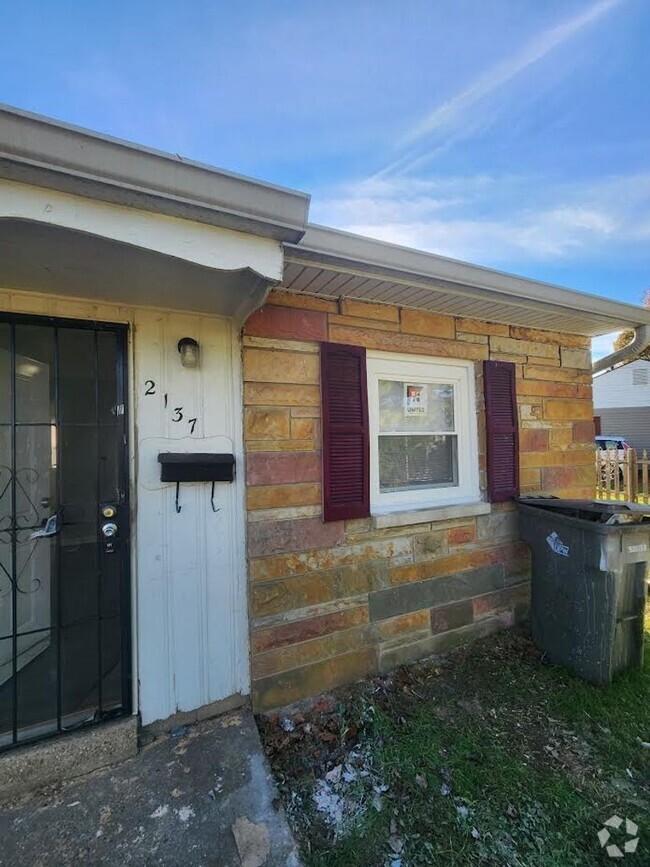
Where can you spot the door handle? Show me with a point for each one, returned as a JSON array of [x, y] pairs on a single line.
[[50, 528], [109, 530]]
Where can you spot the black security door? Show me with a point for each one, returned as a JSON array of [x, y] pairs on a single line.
[[64, 521]]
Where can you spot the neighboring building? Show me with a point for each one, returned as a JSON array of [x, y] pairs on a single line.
[[167, 328], [622, 403]]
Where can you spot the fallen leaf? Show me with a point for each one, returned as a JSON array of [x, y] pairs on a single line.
[[253, 844]]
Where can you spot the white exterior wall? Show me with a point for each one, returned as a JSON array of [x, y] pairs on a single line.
[[192, 622], [189, 597], [616, 388]]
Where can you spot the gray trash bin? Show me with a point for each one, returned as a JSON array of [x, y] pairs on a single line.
[[588, 593]]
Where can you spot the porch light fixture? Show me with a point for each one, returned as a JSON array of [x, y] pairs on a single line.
[[189, 350]]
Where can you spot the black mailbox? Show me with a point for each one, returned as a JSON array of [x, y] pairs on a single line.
[[196, 467]]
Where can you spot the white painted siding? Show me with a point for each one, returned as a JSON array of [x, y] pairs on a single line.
[[617, 388], [192, 626]]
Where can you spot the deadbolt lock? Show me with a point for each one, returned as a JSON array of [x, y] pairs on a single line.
[[109, 511]]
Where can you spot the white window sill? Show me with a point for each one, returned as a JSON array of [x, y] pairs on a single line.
[[428, 516]]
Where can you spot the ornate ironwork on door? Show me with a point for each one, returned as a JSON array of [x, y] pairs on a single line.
[[64, 581]]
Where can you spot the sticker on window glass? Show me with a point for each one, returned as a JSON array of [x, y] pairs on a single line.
[[415, 400]]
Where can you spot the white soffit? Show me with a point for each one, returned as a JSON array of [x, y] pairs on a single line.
[[334, 264]]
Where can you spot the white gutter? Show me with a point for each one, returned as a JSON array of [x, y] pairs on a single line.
[[345, 249], [42, 152], [628, 353]]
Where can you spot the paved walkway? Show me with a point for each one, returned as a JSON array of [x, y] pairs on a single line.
[[204, 797]]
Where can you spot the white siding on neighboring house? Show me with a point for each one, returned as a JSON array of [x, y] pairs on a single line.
[[626, 386], [622, 401]]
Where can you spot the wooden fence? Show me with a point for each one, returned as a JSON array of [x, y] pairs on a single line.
[[622, 475]]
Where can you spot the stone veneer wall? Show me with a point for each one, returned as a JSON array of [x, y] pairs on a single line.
[[332, 602]]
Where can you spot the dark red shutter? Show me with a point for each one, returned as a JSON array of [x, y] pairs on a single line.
[[346, 446], [502, 431]]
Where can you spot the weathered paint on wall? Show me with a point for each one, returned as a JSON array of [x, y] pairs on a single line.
[[333, 602], [189, 588], [192, 626]]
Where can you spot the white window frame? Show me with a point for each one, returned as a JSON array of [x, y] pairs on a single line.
[[388, 365]]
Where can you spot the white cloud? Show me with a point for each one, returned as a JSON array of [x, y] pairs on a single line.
[[494, 220], [457, 116]]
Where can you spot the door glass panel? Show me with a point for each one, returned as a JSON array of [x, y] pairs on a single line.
[[6, 553], [107, 377], [33, 475], [77, 372], [79, 672], [34, 374], [5, 373], [79, 571], [111, 663], [34, 483], [6, 691], [36, 689], [110, 463], [78, 465], [110, 418], [6, 585], [63, 591], [110, 591]]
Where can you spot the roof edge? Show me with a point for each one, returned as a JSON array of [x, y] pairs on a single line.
[[46, 152], [347, 248]]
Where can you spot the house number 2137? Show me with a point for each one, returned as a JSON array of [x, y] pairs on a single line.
[[177, 412]]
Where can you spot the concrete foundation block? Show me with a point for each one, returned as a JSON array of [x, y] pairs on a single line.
[[63, 758]]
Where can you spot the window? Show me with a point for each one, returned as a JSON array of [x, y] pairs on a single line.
[[400, 432], [423, 436]]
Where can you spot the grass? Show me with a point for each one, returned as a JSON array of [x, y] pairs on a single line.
[[486, 757]]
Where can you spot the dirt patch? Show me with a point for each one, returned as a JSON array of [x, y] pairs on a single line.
[[474, 758]]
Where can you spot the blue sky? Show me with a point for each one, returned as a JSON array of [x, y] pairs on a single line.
[[512, 133]]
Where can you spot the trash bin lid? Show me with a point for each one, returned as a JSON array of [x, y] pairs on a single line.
[[600, 506], [593, 511]]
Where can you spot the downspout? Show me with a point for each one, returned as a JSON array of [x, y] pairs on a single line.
[[628, 353]]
